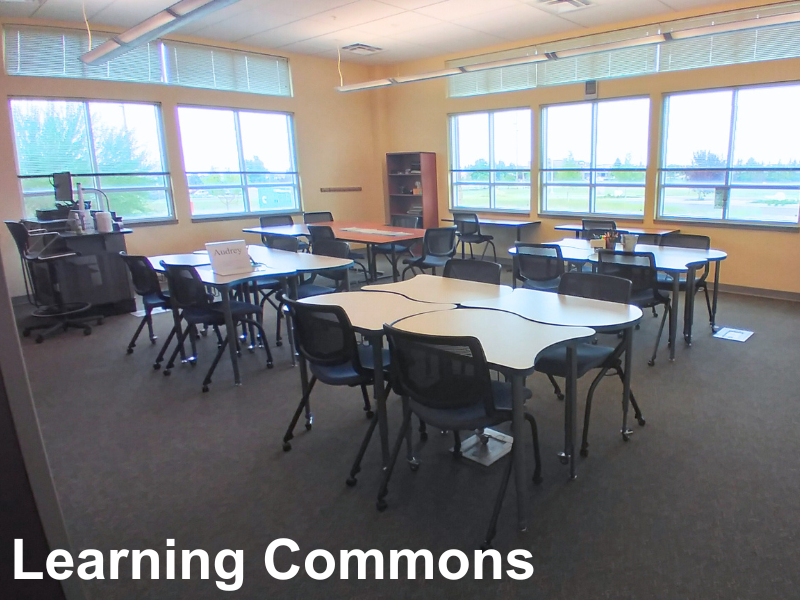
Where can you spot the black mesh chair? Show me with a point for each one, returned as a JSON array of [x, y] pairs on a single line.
[[317, 217], [320, 233], [445, 381], [42, 285], [538, 266], [277, 221], [325, 338], [481, 271], [553, 362], [399, 249], [648, 239], [146, 284], [438, 246], [469, 232], [640, 269], [269, 288], [196, 307], [686, 240]]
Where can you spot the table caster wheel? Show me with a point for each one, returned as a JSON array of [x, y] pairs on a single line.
[[626, 437], [641, 421], [309, 424], [156, 366], [286, 446], [381, 505], [563, 458], [413, 464], [351, 482], [279, 343], [130, 351]]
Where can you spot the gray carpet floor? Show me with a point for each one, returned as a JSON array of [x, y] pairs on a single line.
[[703, 502]]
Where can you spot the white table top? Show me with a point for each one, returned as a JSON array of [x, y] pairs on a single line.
[[560, 309], [200, 263], [432, 288], [493, 328], [368, 311], [302, 262], [667, 258]]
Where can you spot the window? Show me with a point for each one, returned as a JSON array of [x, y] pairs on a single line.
[[112, 147], [238, 161], [490, 166], [594, 157], [732, 155]]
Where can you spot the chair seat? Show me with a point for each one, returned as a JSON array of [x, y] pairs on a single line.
[[665, 282], [387, 248], [475, 238], [152, 301], [356, 256], [428, 262], [346, 373], [471, 417], [268, 284], [646, 299], [544, 285], [553, 361]]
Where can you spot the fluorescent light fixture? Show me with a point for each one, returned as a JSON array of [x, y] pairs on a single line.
[[622, 44], [429, 75], [509, 62], [735, 26], [152, 28], [367, 85]]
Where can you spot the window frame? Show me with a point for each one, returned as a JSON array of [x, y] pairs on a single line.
[[592, 169], [96, 175], [729, 169], [491, 183], [243, 173]]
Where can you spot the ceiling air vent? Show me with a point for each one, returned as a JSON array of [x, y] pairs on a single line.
[[562, 6], [362, 49]]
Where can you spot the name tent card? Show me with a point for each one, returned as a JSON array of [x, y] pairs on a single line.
[[229, 258]]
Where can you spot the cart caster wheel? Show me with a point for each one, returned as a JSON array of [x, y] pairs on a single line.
[[87, 332], [651, 362], [381, 505], [39, 339], [641, 421], [351, 482], [205, 388], [563, 458], [130, 351], [370, 414], [286, 446], [270, 364], [584, 452]]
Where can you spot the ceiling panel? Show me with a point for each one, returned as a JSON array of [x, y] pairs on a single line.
[[127, 13], [615, 11], [356, 13], [517, 22], [453, 10], [397, 24], [67, 10]]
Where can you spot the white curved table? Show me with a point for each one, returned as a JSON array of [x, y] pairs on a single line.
[[432, 288], [514, 355]]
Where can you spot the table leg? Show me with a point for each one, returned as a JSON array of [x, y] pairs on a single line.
[[373, 262], [518, 451], [230, 331], [714, 300], [673, 315], [376, 342], [571, 399], [626, 384], [688, 310], [289, 285], [394, 264]]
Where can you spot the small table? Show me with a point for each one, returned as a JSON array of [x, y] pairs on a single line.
[[368, 311], [578, 227], [361, 232], [515, 356], [432, 288], [518, 225]]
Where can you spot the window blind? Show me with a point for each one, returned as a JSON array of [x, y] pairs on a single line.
[[52, 52]]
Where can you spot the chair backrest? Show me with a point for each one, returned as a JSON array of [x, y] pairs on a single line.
[[407, 221], [604, 224], [439, 241], [323, 334], [638, 267], [649, 239], [440, 372], [317, 217], [467, 223], [276, 220], [20, 234], [143, 275], [186, 288], [334, 249], [482, 271], [596, 286], [319, 233], [686, 240], [537, 262], [281, 242]]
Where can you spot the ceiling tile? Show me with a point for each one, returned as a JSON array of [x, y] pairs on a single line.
[[453, 10], [411, 4], [517, 22], [125, 13], [68, 10], [357, 13], [291, 32], [402, 22], [616, 11]]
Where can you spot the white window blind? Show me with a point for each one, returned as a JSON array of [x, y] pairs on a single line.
[[52, 52], [735, 47]]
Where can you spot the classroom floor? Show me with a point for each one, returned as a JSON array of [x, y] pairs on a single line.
[[703, 502]]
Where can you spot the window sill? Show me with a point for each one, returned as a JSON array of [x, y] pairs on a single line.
[[496, 211], [752, 225], [240, 216], [579, 216], [150, 222]]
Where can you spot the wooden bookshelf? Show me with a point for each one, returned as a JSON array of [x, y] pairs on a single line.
[[412, 186]]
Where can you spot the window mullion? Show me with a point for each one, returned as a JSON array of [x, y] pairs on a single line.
[[731, 139], [492, 178], [92, 151], [240, 152], [593, 162]]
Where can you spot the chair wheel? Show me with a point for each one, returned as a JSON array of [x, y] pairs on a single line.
[[193, 363], [626, 437], [286, 446], [381, 505], [584, 452], [308, 426], [205, 388], [87, 331], [167, 372], [423, 435], [26, 333], [278, 343], [351, 482], [563, 458], [270, 364], [560, 397], [641, 421], [153, 339], [413, 464], [156, 366], [370, 414], [537, 479], [100, 321], [130, 351], [651, 362], [39, 339]]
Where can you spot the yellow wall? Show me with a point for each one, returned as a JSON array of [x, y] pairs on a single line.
[[335, 143], [758, 257]]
